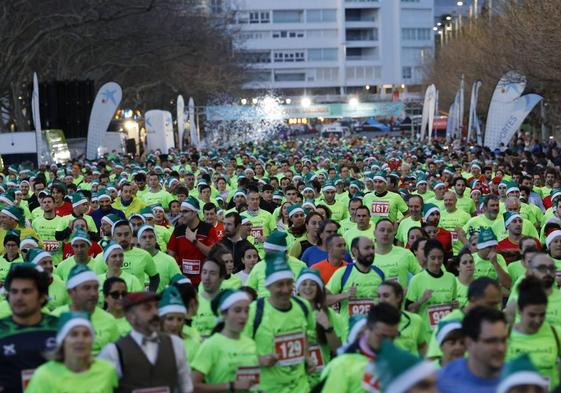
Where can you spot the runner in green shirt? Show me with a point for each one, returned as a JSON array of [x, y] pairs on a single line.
[[83, 289], [212, 275], [57, 291], [432, 292], [489, 219], [532, 334], [363, 227], [453, 219], [46, 227], [414, 204], [347, 372], [137, 261], [114, 290], [73, 369], [355, 286], [227, 361], [396, 262], [465, 266], [81, 244], [487, 261], [12, 252], [165, 264], [541, 267], [464, 202], [383, 203], [451, 341], [339, 211], [281, 326], [412, 336]]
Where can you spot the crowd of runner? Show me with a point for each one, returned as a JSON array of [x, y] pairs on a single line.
[[381, 265]]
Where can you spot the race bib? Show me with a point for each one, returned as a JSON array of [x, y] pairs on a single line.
[[162, 389], [380, 208], [454, 235], [51, 245], [316, 357], [437, 312], [359, 306], [290, 348], [26, 378], [191, 266], [248, 374], [256, 232]]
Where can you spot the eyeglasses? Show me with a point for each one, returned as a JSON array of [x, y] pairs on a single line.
[[117, 294]]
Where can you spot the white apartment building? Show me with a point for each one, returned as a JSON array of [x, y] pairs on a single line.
[[335, 47]]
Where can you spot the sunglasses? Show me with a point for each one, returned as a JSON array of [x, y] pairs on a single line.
[[117, 294]]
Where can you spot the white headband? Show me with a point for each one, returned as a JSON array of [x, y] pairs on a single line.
[[551, 236], [233, 298], [74, 322], [81, 278]]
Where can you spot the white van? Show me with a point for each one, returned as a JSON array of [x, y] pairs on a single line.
[[335, 129]]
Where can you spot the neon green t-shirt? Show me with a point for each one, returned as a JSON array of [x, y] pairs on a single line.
[[484, 267], [104, 324], [354, 232], [233, 282], [205, 320], [461, 292], [54, 377], [5, 266], [365, 296], [477, 222], [58, 295], [553, 312], [412, 332], [397, 264], [138, 262], [466, 204], [63, 268], [167, 268], [191, 342], [65, 221], [542, 347], [46, 229], [339, 209], [345, 374], [403, 229], [161, 197], [219, 358], [450, 221], [439, 305], [387, 206], [516, 270], [284, 333], [256, 278]]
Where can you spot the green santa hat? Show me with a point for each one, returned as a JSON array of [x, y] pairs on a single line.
[[34, 255], [80, 235], [111, 218], [437, 183], [399, 370], [8, 198], [171, 302], [29, 241], [521, 371], [226, 299], [555, 193], [486, 238], [103, 193], [380, 175], [78, 199], [293, 209], [444, 328], [428, 209], [80, 274], [328, 185], [276, 241], [15, 213], [240, 192], [511, 187], [309, 187], [179, 279], [156, 207], [143, 229], [69, 320], [278, 195], [276, 268], [509, 216], [552, 235], [109, 248], [191, 203], [14, 235], [309, 274]]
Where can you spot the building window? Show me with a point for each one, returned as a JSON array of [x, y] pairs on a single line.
[[409, 34], [259, 17], [258, 57], [216, 6], [362, 34], [318, 16], [288, 34], [326, 54], [321, 34], [288, 16], [289, 56], [290, 76], [260, 76], [406, 72]]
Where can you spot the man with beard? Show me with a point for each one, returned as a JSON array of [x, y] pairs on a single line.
[[490, 218], [105, 208], [355, 286], [233, 240], [543, 268], [83, 289], [147, 359]]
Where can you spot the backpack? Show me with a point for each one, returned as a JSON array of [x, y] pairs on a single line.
[[260, 308], [349, 269]]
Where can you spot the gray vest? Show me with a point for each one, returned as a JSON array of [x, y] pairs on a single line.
[[139, 373]]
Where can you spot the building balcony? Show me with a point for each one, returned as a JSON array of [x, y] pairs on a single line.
[[362, 4]]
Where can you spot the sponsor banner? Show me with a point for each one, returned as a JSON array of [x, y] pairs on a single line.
[[105, 104]]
